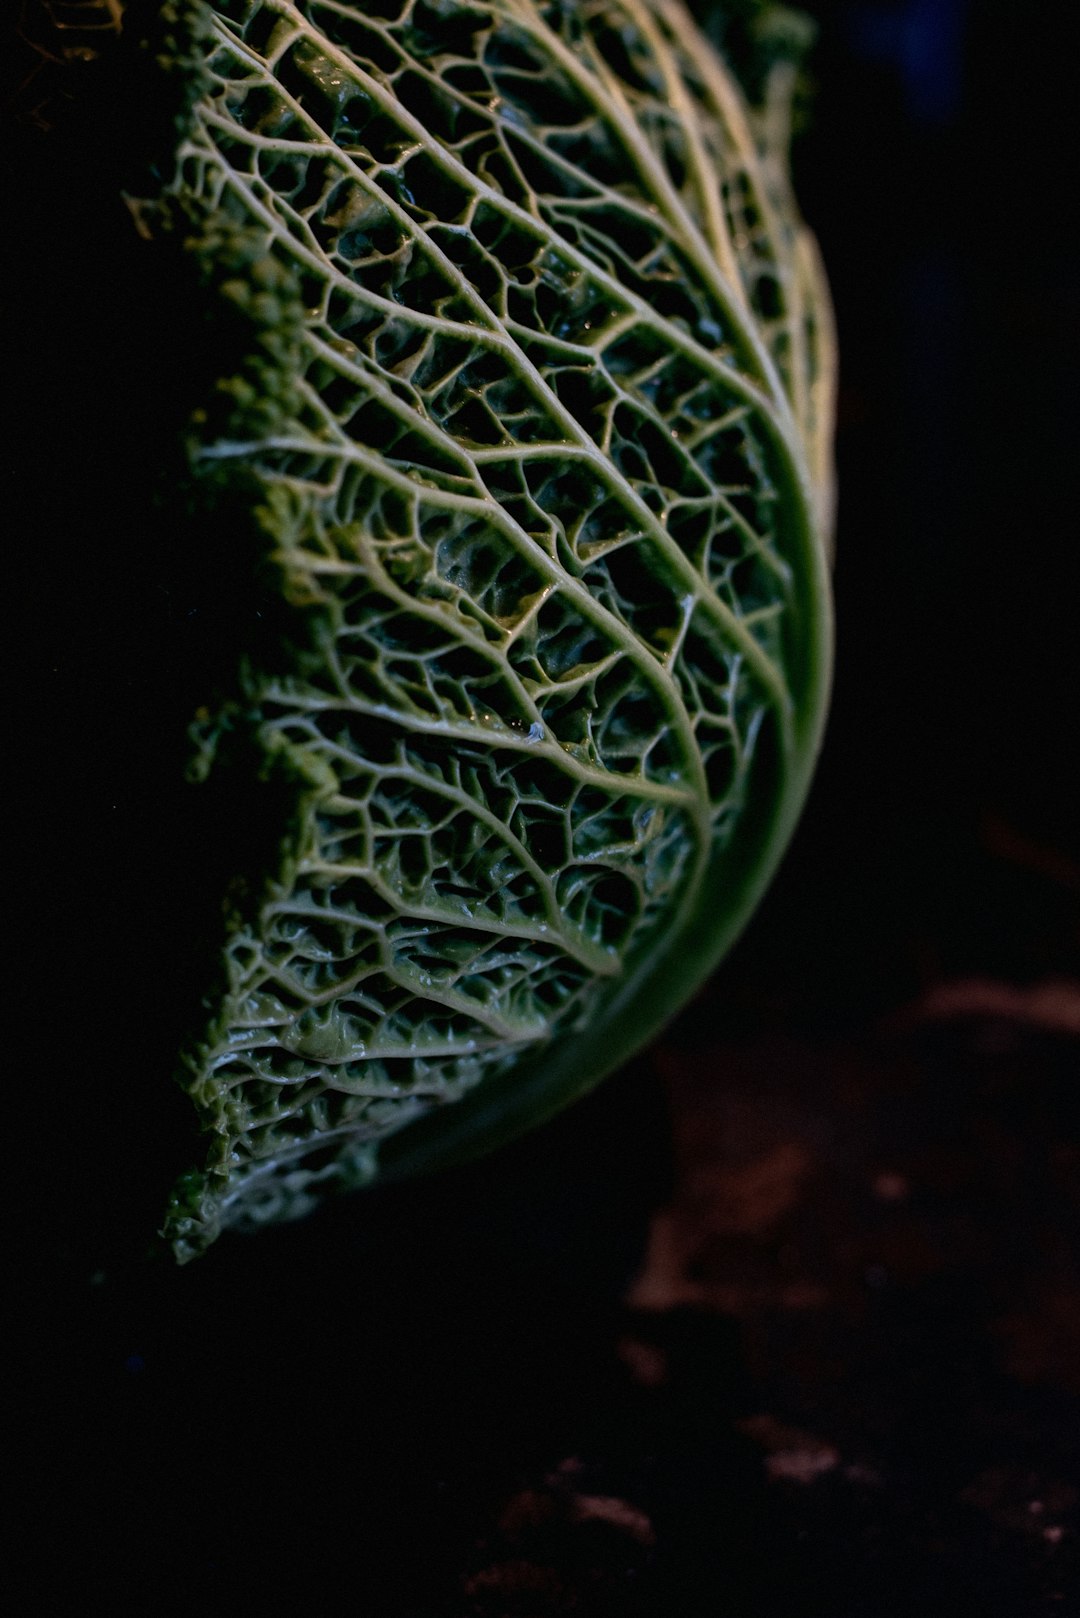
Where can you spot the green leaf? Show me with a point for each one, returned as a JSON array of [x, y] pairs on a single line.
[[537, 423]]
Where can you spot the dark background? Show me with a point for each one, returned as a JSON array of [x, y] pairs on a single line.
[[786, 1319]]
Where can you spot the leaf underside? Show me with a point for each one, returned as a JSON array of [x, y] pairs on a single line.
[[546, 483]]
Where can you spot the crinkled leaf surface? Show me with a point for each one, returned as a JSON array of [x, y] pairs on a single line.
[[547, 487]]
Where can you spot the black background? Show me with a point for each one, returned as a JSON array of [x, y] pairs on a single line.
[[413, 1403]]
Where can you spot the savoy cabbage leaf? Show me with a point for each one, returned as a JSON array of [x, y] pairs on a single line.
[[536, 425]]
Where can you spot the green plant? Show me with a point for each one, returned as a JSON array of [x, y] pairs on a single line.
[[533, 417]]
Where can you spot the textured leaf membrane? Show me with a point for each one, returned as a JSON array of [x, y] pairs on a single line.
[[537, 428]]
